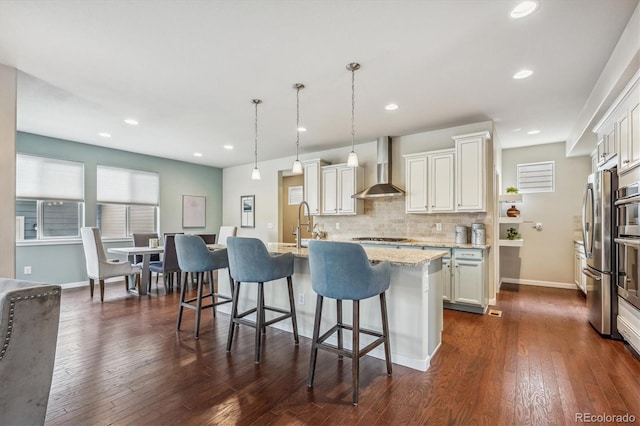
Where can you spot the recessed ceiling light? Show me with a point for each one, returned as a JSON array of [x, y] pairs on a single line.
[[131, 121], [105, 134], [228, 147], [522, 74], [302, 129], [533, 132], [523, 9], [518, 129], [197, 154], [391, 107]]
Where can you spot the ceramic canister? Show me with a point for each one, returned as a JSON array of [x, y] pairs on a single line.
[[474, 234], [461, 234], [479, 237]]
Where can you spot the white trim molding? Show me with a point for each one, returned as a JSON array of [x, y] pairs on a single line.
[[552, 284]]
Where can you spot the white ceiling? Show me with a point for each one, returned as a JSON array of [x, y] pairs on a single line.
[[187, 70]]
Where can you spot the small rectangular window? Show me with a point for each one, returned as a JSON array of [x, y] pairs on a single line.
[[49, 197], [536, 177], [127, 201]]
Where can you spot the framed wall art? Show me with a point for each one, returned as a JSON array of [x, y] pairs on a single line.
[[247, 211], [194, 211]]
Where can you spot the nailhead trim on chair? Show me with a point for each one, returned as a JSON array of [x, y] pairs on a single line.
[[11, 311]]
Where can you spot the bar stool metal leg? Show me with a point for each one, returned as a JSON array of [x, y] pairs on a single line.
[[213, 298], [264, 327], [259, 320], [340, 333], [355, 359], [234, 314], [292, 308], [385, 331], [200, 285], [181, 309], [314, 342]]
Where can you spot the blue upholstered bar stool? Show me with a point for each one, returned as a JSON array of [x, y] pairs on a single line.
[[249, 261], [341, 271], [195, 257]]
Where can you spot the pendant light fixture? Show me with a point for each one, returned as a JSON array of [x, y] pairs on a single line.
[[297, 165], [352, 160], [255, 175]]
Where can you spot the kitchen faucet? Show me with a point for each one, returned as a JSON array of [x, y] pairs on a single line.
[[308, 224]]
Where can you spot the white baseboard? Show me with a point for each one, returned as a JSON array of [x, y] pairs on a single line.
[[78, 284], [492, 302], [552, 284]]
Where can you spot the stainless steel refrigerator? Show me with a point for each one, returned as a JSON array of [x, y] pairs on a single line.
[[598, 222]]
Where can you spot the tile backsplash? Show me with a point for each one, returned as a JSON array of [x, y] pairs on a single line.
[[386, 217]]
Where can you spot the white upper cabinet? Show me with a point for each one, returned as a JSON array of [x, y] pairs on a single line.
[[329, 190], [429, 181], [619, 129], [339, 183], [416, 168], [313, 184], [471, 171], [628, 130], [441, 191]]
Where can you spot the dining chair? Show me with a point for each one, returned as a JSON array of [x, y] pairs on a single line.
[[194, 257], [142, 240], [342, 271], [168, 266], [208, 238], [99, 267], [226, 231], [250, 262]]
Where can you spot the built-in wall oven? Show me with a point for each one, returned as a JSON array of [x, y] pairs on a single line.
[[628, 242]]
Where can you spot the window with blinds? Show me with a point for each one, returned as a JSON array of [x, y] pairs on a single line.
[[49, 197], [536, 177], [127, 201]]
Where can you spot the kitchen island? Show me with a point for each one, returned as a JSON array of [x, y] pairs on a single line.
[[414, 302]]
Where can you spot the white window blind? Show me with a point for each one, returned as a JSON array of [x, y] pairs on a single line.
[[125, 186], [44, 178], [536, 177]]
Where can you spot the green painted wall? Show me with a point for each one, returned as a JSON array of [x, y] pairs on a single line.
[[64, 263]]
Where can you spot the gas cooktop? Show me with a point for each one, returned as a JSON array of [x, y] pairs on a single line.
[[383, 239]]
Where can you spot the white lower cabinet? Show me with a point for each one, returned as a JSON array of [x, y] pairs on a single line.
[[628, 323], [463, 280], [468, 270], [446, 279]]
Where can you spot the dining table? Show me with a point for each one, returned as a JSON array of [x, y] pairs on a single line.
[[146, 253]]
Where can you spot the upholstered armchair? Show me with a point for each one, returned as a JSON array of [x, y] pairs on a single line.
[[29, 316]]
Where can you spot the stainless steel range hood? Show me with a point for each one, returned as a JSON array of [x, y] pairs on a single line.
[[383, 188]]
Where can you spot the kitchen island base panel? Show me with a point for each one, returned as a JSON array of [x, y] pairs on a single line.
[[414, 303]]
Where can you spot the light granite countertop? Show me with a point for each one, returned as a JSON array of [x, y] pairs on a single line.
[[418, 243], [394, 256]]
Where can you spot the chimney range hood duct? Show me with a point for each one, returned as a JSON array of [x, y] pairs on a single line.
[[383, 188]]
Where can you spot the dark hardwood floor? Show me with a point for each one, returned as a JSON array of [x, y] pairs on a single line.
[[122, 362]]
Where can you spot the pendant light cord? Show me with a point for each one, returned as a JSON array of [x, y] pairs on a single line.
[[297, 120], [353, 109], [255, 152]]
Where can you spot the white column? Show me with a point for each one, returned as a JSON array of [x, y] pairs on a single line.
[[8, 89]]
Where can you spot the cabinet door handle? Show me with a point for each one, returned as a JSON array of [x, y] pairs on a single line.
[[626, 161]]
